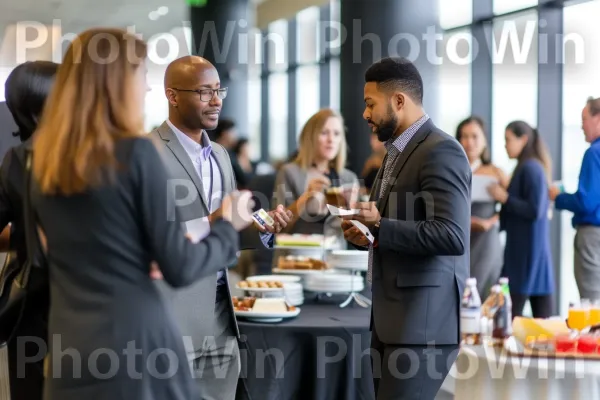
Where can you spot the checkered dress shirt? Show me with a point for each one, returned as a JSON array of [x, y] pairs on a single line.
[[394, 148]]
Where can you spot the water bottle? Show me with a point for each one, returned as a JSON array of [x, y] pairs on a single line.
[[470, 314], [507, 299]]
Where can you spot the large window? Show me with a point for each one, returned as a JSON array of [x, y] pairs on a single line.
[[278, 116], [310, 58], [505, 6], [278, 89], [455, 13], [581, 80], [307, 85], [255, 58], [514, 79], [455, 80], [307, 77]]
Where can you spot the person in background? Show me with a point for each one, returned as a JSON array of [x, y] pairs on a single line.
[[246, 168], [585, 206], [524, 217], [100, 200], [486, 248], [225, 134], [26, 90], [373, 164], [320, 164]]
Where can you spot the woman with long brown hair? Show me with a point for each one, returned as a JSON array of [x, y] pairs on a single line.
[[524, 217], [104, 202]]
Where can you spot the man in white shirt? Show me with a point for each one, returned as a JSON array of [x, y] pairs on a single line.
[[202, 174]]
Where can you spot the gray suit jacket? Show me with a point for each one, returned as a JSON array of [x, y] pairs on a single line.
[[193, 306], [421, 262]]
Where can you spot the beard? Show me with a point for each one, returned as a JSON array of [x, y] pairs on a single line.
[[386, 129]]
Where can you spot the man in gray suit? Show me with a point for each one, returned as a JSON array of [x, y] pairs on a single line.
[[419, 215], [202, 175]]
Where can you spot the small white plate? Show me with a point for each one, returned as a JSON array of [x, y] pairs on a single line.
[[267, 317], [276, 278]]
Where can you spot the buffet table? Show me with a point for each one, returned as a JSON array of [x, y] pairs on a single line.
[[320, 355], [493, 374]]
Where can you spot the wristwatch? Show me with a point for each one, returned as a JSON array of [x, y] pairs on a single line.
[[375, 229]]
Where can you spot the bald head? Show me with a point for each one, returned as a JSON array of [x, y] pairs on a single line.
[[192, 87], [184, 71]]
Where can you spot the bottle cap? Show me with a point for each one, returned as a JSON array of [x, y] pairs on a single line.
[[471, 281], [503, 280]]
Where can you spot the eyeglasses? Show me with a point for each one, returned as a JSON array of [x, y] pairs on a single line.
[[207, 94]]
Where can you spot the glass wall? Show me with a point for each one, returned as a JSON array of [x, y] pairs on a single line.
[[580, 81], [308, 75], [516, 54], [455, 80], [307, 63], [506, 6], [514, 79]]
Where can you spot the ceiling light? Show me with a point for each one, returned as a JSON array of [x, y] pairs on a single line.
[[163, 10], [153, 15]]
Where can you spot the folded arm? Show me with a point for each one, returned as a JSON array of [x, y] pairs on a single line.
[[181, 261], [445, 191]]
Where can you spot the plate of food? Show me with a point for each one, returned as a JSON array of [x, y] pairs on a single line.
[[264, 310], [297, 240], [261, 286]]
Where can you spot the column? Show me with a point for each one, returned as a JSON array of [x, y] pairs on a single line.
[[550, 121], [220, 33], [481, 75], [376, 29]]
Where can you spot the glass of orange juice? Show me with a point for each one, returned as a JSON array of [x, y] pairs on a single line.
[[577, 317], [595, 313]]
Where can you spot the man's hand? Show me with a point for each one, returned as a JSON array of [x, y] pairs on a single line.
[[282, 218], [368, 215], [553, 192], [155, 273], [354, 235]]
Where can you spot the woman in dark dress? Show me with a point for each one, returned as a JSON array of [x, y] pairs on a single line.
[[102, 201], [26, 90], [486, 249], [524, 217]]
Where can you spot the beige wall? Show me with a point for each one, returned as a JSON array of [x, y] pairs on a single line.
[[272, 10]]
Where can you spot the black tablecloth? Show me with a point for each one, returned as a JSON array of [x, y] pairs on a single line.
[[323, 354]]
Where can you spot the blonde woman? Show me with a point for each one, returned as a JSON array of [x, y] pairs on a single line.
[[319, 166]]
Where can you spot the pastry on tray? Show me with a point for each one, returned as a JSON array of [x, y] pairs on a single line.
[[260, 285], [301, 263]]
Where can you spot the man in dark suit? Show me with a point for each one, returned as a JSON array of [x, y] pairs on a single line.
[[419, 215]]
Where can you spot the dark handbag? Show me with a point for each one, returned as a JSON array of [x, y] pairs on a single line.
[[19, 284]]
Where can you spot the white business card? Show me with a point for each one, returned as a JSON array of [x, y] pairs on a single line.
[[365, 231], [341, 212]]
